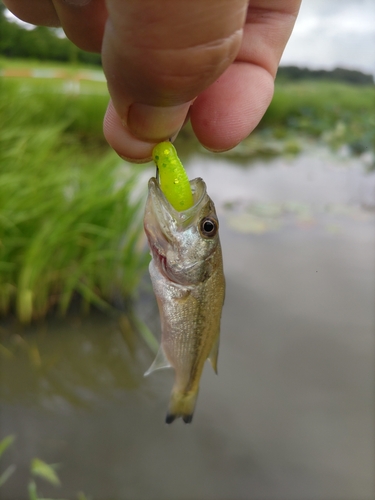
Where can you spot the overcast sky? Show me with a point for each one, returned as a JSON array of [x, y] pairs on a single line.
[[330, 33]]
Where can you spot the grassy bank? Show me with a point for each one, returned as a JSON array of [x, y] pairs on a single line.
[[7, 62], [44, 103], [337, 112], [69, 223]]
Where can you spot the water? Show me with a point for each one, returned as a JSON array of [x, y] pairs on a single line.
[[290, 415]]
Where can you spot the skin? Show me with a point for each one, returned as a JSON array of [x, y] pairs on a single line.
[[166, 60]]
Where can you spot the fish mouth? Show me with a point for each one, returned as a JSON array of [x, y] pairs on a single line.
[[166, 214], [162, 221]]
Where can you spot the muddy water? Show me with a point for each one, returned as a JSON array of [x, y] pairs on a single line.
[[290, 415]]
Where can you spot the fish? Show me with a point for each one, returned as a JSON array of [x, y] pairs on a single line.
[[187, 276]]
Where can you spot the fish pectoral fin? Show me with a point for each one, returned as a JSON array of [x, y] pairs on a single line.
[[214, 354], [160, 362]]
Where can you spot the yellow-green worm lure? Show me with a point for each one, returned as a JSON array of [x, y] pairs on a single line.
[[173, 179]]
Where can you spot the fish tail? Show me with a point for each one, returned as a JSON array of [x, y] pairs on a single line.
[[181, 404]]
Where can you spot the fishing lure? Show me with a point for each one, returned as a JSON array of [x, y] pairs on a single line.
[[173, 179]]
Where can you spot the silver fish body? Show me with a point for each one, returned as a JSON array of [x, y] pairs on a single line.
[[187, 276]]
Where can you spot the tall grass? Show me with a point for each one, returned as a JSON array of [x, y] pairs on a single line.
[[41, 103], [69, 221], [339, 112]]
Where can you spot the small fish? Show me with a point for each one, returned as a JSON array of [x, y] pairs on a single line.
[[188, 280]]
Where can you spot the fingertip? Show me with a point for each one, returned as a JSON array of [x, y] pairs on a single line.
[[229, 110], [156, 123], [122, 141]]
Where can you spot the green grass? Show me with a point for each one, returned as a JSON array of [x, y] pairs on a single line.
[[334, 114], [69, 223], [6, 62], [46, 103], [338, 113]]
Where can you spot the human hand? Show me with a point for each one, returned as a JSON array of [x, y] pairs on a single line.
[[212, 60]]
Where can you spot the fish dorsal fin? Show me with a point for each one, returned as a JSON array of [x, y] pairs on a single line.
[[160, 362], [214, 354]]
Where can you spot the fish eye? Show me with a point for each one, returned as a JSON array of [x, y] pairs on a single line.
[[209, 227]]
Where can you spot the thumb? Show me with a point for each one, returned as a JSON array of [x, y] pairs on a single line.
[[158, 56]]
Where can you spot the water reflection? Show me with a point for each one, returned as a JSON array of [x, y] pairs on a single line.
[[71, 363]]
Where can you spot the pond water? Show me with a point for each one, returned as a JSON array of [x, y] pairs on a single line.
[[290, 415]]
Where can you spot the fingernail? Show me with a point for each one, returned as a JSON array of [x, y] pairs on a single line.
[[77, 3], [138, 161], [122, 141], [217, 150], [156, 123]]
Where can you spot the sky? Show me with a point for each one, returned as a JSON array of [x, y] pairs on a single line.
[[331, 33]]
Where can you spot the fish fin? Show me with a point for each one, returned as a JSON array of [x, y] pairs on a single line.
[[181, 404], [214, 354], [160, 362]]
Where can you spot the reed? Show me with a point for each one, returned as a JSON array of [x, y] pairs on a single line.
[[69, 221], [339, 113]]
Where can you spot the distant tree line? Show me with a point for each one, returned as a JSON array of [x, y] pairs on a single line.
[[39, 43], [337, 74]]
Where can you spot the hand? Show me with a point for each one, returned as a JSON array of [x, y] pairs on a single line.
[[212, 60]]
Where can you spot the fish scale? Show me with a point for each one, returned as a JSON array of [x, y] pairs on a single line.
[[188, 280]]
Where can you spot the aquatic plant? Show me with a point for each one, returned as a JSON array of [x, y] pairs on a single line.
[[69, 221], [38, 468], [339, 113], [5, 443]]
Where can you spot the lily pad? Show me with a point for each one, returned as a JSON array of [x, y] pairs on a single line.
[[251, 224]]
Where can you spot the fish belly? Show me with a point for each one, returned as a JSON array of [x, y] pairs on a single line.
[[190, 323]]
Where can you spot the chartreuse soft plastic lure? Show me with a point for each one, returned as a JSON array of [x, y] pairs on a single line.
[[173, 179]]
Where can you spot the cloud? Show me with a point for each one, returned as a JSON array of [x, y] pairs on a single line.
[[334, 33]]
